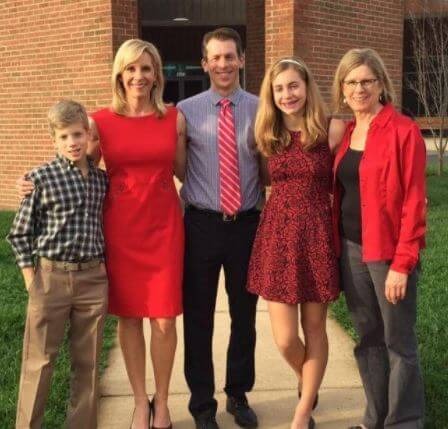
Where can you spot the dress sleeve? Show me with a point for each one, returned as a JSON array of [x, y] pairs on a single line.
[[413, 215]]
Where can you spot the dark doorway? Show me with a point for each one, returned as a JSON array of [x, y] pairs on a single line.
[[177, 89], [179, 42]]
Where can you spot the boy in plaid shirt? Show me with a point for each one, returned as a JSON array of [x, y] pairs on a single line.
[[58, 242]]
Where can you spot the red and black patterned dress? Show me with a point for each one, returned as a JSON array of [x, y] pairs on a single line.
[[293, 258]]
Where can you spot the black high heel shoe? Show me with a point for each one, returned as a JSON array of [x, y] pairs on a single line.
[[311, 423], [152, 409]]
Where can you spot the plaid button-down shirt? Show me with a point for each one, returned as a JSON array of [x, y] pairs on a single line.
[[62, 218]]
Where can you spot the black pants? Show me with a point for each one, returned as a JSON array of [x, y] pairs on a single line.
[[387, 350], [212, 243]]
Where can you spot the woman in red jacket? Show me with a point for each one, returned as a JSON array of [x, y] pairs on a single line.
[[379, 222]]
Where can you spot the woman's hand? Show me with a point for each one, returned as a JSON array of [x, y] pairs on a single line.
[[24, 187], [396, 284]]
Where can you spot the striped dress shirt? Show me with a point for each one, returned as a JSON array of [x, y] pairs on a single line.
[[201, 184]]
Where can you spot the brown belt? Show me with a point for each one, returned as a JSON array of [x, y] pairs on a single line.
[[68, 266]]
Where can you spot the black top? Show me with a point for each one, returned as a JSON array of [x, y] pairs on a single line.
[[348, 176], [62, 219]]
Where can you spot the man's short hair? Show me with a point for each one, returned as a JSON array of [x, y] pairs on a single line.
[[65, 113], [222, 33]]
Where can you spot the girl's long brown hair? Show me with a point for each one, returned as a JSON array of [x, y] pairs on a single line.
[[270, 133]]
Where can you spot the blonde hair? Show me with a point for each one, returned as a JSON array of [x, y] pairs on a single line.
[[353, 59], [65, 113], [129, 52], [270, 133]]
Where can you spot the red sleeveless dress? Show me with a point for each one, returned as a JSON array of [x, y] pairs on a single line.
[[293, 257], [143, 226]]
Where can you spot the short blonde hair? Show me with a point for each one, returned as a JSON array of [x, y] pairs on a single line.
[[129, 52], [353, 59], [65, 113], [270, 133]]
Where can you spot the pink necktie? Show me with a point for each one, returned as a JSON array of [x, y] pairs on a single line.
[[228, 160]]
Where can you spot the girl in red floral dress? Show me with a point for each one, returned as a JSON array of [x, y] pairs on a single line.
[[293, 259]]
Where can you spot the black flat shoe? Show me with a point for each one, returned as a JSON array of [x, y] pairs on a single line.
[[152, 410], [245, 416], [311, 423], [206, 420]]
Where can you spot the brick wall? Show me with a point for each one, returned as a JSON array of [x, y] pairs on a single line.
[[324, 30], [255, 36], [418, 7], [50, 50], [64, 48]]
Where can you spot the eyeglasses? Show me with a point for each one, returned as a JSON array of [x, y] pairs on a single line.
[[365, 83]]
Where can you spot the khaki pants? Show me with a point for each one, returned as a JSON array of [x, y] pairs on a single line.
[[55, 298]]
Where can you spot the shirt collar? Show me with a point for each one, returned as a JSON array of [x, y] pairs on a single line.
[[234, 97], [65, 162], [383, 116], [70, 165], [381, 119]]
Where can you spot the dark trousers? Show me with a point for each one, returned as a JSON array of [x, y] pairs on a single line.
[[211, 243], [387, 350]]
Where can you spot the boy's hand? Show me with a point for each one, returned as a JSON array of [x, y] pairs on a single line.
[[28, 276], [24, 187]]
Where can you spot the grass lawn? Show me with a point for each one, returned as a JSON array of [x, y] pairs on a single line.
[[13, 300], [432, 323]]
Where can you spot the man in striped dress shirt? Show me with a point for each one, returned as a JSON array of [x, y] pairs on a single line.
[[222, 191]]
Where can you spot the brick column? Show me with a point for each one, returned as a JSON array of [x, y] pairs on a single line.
[[125, 24], [48, 51], [255, 44], [280, 25]]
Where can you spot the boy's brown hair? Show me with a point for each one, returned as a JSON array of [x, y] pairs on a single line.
[[65, 113], [222, 33]]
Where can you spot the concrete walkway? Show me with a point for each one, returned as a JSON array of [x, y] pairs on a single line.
[[274, 397]]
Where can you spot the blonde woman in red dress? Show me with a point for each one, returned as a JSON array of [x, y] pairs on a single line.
[[143, 228], [141, 141], [293, 263]]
